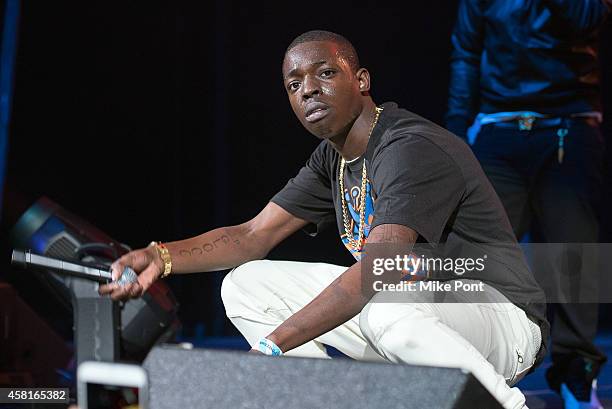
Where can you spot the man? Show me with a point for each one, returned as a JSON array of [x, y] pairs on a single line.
[[530, 70], [387, 177]]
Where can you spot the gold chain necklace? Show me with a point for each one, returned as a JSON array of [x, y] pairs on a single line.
[[356, 244]]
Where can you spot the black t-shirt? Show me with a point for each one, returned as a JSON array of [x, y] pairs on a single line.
[[421, 176]]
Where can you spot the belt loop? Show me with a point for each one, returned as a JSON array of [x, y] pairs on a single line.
[[561, 133]]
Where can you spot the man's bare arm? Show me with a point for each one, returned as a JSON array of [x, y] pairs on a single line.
[[218, 249], [341, 300], [228, 247]]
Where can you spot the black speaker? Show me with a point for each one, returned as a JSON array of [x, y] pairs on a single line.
[[201, 378]]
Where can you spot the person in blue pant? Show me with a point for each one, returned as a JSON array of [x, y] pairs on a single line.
[[525, 93]]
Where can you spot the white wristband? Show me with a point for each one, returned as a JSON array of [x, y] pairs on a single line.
[[268, 347]]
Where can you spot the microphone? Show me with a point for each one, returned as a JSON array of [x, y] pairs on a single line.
[[28, 259]]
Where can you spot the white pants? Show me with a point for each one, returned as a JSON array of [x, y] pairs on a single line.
[[495, 340]]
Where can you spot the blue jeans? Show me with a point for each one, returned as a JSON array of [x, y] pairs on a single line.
[[556, 203]]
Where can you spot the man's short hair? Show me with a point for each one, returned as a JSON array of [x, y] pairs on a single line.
[[346, 48]]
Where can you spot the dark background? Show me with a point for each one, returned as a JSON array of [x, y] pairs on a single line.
[[159, 121]]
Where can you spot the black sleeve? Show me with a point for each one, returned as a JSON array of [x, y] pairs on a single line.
[[418, 185], [308, 195], [463, 94]]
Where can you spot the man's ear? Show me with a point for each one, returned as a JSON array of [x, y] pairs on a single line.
[[363, 76]]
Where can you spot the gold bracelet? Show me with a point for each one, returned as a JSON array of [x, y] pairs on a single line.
[[165, 256]]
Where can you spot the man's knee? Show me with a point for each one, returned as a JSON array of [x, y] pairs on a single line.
[[388, 327], [373, 322], [238, 281]]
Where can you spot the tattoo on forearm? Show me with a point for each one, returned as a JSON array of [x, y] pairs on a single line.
[[207, 247]]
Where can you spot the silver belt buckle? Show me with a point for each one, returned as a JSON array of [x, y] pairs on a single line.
[[525, 122]]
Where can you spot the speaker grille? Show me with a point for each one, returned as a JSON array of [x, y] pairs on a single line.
[[62, 246], [202, 378]]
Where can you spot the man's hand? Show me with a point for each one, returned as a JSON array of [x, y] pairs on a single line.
[[146, 262]]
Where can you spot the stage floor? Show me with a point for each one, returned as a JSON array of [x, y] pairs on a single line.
[[533, 386]]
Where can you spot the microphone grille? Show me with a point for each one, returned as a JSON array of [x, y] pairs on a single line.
[[128, 276]]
